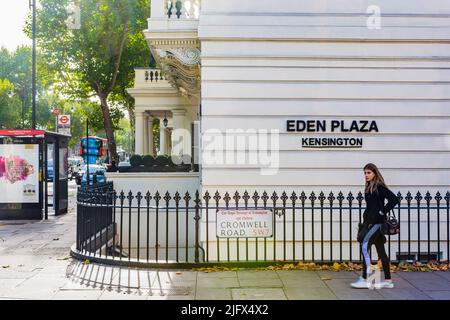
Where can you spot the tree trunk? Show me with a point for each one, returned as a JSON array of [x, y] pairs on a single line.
[[132, 123], [109, 129]]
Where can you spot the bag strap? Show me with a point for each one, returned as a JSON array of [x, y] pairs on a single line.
[[393, 213]]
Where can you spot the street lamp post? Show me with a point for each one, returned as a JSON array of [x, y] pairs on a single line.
[[87, 151], [33, 68]]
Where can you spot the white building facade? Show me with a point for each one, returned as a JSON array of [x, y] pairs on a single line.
[[299, 96], [264, 66]]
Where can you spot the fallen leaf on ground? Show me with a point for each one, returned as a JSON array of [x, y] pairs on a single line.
[[336, 266], [325, 278], [4, 267], [65, 258], [86, 261], [55, 239]]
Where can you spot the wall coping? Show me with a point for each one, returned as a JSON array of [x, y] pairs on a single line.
[[146, 175]]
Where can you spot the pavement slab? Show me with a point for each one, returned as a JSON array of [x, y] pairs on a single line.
[[438, 295], [258, 294], [309, 294], [261, 282], [213, 294]]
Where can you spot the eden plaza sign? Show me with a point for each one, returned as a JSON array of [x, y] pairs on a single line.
[[340, 126]]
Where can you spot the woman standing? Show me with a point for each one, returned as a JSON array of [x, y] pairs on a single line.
[[376, 192]]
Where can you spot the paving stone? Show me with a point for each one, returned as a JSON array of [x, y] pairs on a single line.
[[175, 276], [257, 274], [213, 294], [71, 285], [179, 285], [44, 281], [438, 295], [303, 282], [113, 295], [338, 275], [217, 275], [77, 295], [258, 294], [443, 274], [419, 275], [431, 285], [310, 294], [17, 274], [297, 274], [357, 294], [181, 289], [401, 283], [6, 284], [340, 283], [261, 282], [403, 294], [205, 284], [30, 292], [134, 278]]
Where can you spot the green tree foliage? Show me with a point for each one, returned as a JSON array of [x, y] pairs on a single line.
[[97, 59], [16, 67], [9, 105]]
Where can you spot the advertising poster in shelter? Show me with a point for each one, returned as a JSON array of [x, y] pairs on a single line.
[[19, 173]]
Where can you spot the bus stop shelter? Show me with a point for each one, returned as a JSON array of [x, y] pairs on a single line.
[[24, 160]]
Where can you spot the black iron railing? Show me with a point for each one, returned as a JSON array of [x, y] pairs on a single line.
[[180, 228]]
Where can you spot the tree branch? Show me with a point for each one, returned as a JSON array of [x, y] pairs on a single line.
[[117, 64], [68, 81]]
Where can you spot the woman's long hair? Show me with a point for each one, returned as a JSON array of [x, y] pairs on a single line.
[[372, 186]]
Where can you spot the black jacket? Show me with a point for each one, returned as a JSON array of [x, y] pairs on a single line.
[[375, 204]]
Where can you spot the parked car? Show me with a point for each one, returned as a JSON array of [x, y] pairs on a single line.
[[75, 165], [124, 166], [98, 170]]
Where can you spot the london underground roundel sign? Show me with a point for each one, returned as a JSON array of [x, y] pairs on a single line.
[[64, 119]]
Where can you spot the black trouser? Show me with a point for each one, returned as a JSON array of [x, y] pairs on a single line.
[[374, 236]]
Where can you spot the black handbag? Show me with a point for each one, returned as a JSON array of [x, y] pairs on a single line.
[[390, 226]]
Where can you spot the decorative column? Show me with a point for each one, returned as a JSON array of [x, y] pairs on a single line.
[[181, 139], [145, 135], [150, 135], [162, 137], [139, 133]]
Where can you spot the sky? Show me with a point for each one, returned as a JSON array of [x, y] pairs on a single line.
[[13, 14]]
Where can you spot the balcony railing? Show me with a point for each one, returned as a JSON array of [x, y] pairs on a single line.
[[149, 76], [173, 20], [183, 9]]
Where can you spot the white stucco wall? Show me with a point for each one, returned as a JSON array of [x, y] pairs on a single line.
[[266, 62]]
